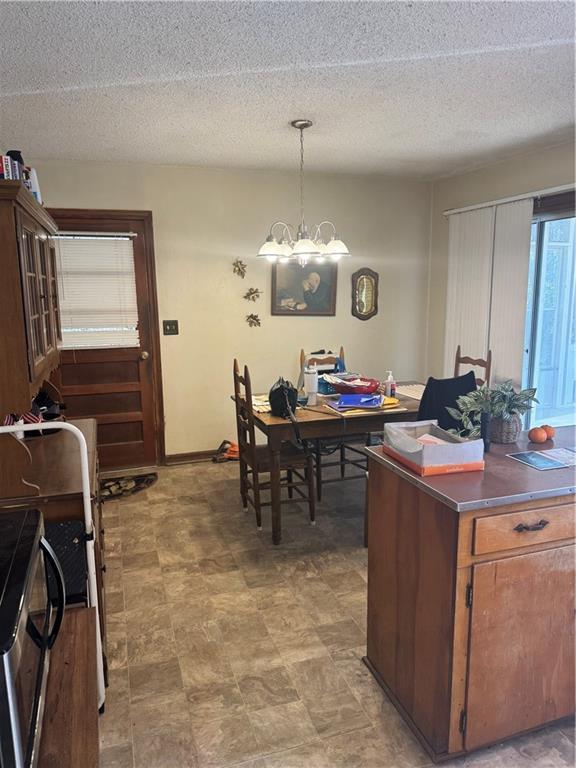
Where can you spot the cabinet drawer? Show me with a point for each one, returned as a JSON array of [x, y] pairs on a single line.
[[520, 529]]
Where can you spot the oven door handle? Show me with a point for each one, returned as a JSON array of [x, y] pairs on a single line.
[[59, 576]]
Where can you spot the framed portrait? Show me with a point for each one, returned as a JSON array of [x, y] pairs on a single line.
[[306, 291]]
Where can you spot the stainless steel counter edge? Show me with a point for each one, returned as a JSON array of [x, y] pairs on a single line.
[[497, 501]]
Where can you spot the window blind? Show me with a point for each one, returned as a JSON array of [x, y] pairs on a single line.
[[471, 237], [488, 257], [509, 290], [97, 286]]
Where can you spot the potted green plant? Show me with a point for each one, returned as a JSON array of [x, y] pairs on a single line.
[[493, 413], [473, 412]]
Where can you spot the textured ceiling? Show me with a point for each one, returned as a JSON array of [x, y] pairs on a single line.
[[405, 88]]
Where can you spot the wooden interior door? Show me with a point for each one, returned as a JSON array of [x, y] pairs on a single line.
[[521, 662], [120, 388]]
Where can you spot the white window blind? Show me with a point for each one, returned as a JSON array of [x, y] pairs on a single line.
[[97, 288], [488, 260], [509, 289], [471, 237]]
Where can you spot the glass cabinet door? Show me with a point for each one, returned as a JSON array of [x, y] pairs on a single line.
[[44, 278], [54, 293], [38, 274], [33, 302]]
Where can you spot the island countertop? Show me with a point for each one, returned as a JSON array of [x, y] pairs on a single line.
[[503, 481]]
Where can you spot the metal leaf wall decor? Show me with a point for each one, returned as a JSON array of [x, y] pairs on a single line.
[[252, 294], [239, 268], [253, 321]]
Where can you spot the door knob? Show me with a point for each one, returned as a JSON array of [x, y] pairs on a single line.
[[144, 355]]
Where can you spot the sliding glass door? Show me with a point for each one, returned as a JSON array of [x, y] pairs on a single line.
[[550, 359]]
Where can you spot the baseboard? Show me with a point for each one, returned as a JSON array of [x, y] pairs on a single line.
[[189, 458]]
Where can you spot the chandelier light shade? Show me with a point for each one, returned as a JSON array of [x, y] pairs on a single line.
[[270, 249], [335, 248], [284, 248]]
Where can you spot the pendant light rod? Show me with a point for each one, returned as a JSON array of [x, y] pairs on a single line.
[[302, 225], [301, 126]]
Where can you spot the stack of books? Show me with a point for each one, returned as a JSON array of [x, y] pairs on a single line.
[[12, 170]]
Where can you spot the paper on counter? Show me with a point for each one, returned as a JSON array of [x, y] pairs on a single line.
[[566, 456], [537, 460]]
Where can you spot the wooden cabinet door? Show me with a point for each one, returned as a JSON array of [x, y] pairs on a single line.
[[521, 661]]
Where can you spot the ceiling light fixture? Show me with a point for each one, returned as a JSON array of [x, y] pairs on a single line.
[[283, 248]]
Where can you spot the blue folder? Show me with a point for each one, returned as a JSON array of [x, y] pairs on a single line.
[[359, 401]]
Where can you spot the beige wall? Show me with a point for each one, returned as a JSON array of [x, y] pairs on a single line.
[[206, 218], [523, 173]]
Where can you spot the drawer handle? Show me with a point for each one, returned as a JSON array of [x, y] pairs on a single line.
[[522, 527]]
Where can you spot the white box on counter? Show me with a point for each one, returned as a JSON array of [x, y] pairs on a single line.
[[427, 449]]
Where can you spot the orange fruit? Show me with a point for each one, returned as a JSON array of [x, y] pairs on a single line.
[[537, 435], [550, 431]]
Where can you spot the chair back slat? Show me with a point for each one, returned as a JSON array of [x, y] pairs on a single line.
[[244, 414], [476, 362]]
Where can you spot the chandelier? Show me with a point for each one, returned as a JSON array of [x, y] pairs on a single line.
[[280, 244]]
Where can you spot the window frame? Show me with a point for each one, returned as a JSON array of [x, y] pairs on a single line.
[[546, 209]]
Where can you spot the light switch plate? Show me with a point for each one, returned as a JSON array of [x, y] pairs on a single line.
[[170, 327]]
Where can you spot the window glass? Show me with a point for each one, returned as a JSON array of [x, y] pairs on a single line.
[[551, 322]]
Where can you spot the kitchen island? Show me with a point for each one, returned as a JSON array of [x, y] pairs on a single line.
[[471, 596]]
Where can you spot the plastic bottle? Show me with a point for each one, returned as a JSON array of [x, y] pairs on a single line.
[[311, 384], [390, 385]]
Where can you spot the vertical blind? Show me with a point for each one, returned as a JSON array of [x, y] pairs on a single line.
[[97, 291], [488, 260], [510, 289], [471, 236]]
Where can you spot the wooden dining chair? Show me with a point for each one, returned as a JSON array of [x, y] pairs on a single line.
[[476, 362], [441, 394], [324, 447], [296, 466]]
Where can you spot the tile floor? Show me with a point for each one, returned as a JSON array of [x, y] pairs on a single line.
[[227, 651]]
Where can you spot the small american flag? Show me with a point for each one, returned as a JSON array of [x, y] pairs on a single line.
[[27, 418]]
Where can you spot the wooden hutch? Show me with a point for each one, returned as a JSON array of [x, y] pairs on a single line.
[[44, 471]]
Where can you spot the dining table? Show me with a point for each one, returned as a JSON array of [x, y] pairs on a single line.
[[320, 421]]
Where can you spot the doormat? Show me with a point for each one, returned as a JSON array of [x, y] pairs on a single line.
[[118, 487]]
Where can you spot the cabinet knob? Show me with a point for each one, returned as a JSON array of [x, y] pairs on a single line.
[[144, 355]]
